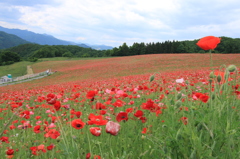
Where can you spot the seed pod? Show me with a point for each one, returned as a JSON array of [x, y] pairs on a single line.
[[231, 68]]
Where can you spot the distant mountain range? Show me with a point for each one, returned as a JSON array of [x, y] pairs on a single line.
[[45, 39]]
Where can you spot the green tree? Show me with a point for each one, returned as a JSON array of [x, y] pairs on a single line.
[[67, 54], [8, 57]]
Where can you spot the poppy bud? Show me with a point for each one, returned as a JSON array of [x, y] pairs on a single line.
[[213, 96], [179, 96], [210, 80], [178, 104], [219, 78], [151, 78], [211, 75], [231, 68]]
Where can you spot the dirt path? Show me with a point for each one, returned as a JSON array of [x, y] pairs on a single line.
[[29, 70]]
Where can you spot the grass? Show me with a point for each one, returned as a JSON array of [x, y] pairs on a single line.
[[16, 69]]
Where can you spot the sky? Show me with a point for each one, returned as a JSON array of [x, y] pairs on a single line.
[[114, 22]]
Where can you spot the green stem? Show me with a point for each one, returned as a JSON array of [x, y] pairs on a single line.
[[89, 145], [211, 62]]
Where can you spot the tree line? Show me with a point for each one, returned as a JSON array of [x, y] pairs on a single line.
[[33, 52], [227, 46]]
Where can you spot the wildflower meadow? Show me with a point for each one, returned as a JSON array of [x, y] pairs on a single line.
[[146, 106]]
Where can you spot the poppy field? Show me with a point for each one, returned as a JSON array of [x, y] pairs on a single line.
[[146, 106]]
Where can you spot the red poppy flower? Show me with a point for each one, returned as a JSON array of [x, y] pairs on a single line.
[[36, 129], [96, 131], [208, 42], [78, 124], [12, 127], [91, 94], [102, 112], [10, 152], [52, 133], [122, 116], [158, 112], [97, 157], [4, 139], [129, 110], [51, 98], [119, 103], [144, 130], [25, 114], [78, 114], [138, 113], [99, 106], [204, 98], [150, 105], [88, 155], [37, 117], [41, 148], [96, 119], [57, 105], [112, 128], [36, 149], [184, 120], [143, 119], [50, 147]]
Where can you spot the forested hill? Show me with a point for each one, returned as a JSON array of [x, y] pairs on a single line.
[[226, 46], [42, 51], [10, 40]]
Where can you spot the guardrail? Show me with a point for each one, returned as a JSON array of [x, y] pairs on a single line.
[[30, 76], [24, 78]]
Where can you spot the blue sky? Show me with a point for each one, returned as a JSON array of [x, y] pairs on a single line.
[[112, 22]]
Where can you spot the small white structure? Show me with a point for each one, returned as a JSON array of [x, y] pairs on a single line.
[[4, 79]]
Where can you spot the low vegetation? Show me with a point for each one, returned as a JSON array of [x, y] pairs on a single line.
[[148, 106]]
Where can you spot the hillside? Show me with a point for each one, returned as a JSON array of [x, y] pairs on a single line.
[[92, 69], [10, 40]]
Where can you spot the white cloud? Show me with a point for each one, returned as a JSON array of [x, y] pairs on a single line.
[[80, 38], [113, 22]]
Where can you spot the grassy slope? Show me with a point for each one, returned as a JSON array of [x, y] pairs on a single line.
[[16, 69]]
